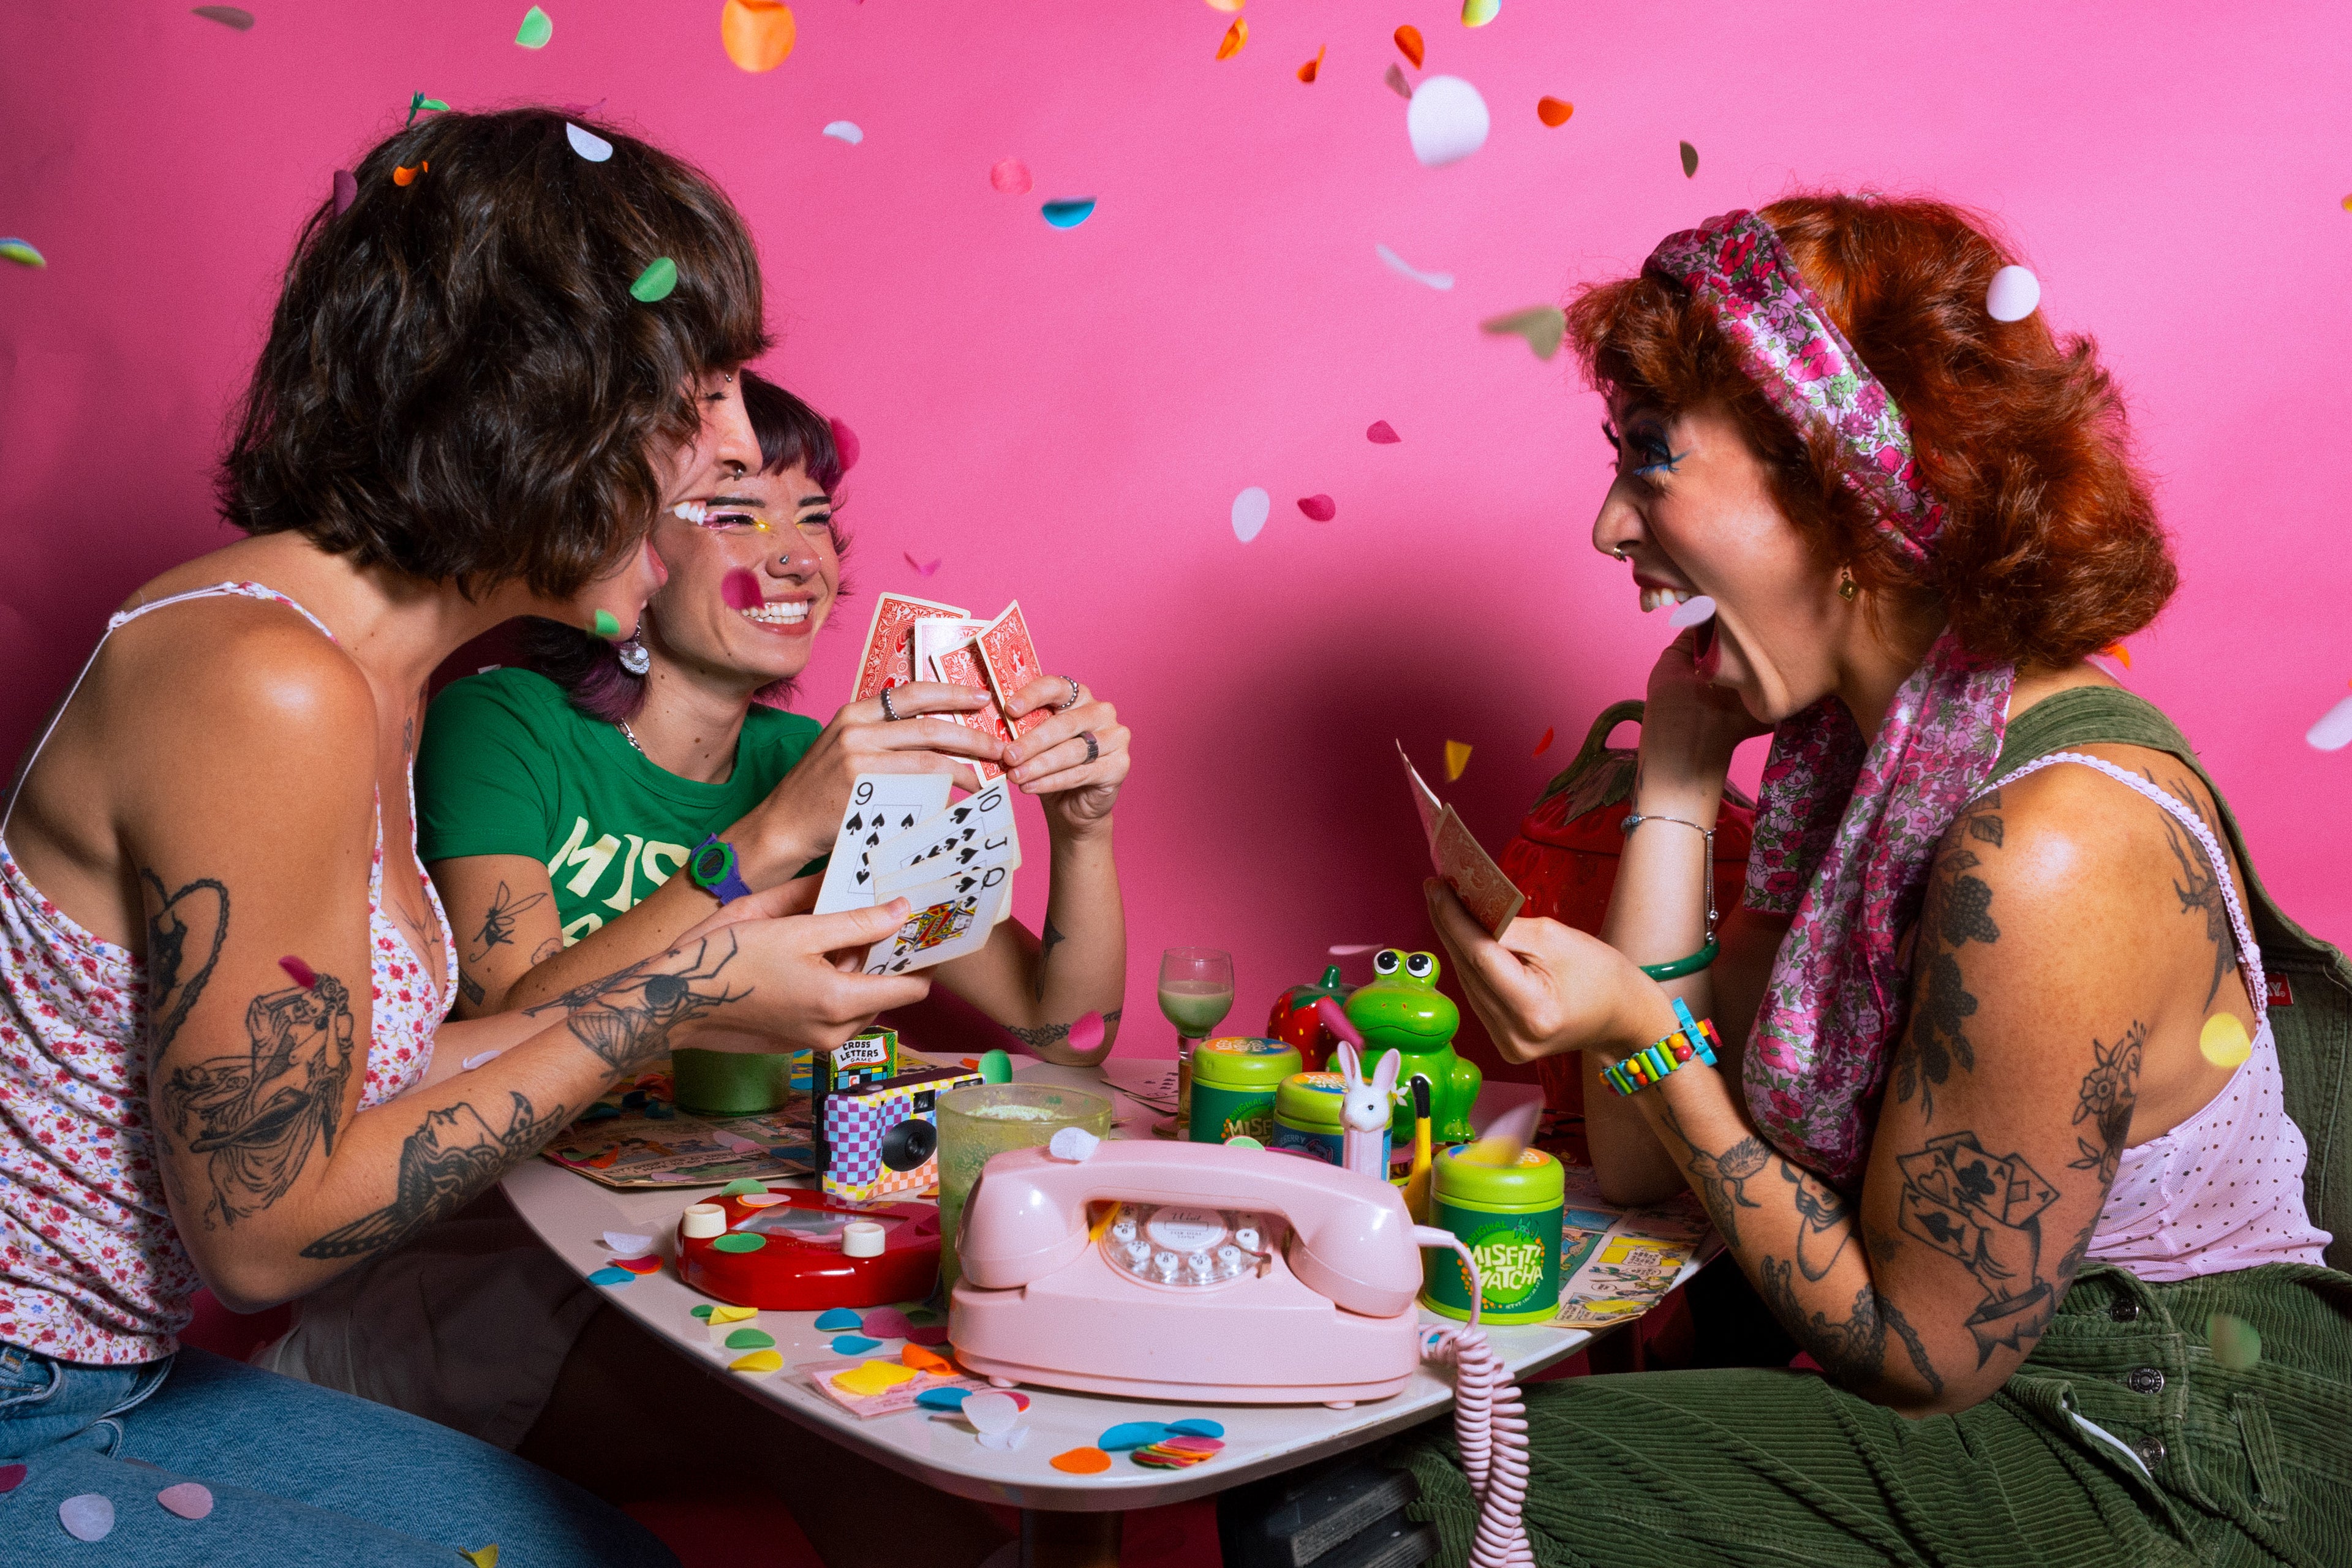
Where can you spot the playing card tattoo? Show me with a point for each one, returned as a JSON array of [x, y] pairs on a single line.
[[1986, 1212]]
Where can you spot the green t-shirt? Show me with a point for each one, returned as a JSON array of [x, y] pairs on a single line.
[[508, 766]]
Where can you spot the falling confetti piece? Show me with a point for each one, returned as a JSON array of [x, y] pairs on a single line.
[[1554, 112], [844, 444], [1250, 511], [740, 589], [1236, 37], [739, 1241], [609, 1276], [922, 1359], [11, 1478], [537, 27], [872, 1377], [1132, 1435], [750, 1340], [1382, 433], [22, 253], [89, 1517], [734, 1314], [1352, 949], [2013, 295], [403, 175], [1478, 13], [1457, 757], [302, 973], [656, 281], [228, 16], [855, 1344], [1396, 82], [943, 1398], [2347, 204], [845, 131], [1087, 1032], [1440, 281], [1447, 121], [2120, 653], [922, 568], [836, 1318], [887, 1323], [1011, 177], [587, 144], [1068, 214], [991, 1410], [189, 1500], [1543, 326], [1543, 745], [347, 191], [1197, 1426], [758, 1361], [483, 1556], [1690, 159], [1224, 5], [1408, 43], [1307, 72], [1696, 610], [2224, 1040], [2334, 730], [418, 100], [608, 625], [1318, 509], [927, 1335], [628, 1243], [1081, 1461], [756, 34], [2236, 1344]]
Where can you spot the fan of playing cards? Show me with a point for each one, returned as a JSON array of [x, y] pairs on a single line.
[[915, 639], [1492, 899]]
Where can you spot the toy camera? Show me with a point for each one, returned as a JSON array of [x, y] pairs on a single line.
[[873, 1135]]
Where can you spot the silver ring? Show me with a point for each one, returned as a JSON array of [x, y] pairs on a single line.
[[1074, 695], [1093, 751], [889, 715]]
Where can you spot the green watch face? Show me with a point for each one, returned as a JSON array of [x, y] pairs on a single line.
[[712, 863]]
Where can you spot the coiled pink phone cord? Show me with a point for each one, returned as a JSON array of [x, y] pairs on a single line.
[[1490, 1425]]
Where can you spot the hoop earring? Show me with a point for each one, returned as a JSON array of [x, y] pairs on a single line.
[[1847, 586], [634, 657]]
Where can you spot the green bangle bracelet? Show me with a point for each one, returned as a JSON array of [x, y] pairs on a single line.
[[1682, 966]]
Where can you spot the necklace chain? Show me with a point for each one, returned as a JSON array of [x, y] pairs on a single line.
[[631, 735]]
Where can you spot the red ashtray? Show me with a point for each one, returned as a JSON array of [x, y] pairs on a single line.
[[799, 1265]]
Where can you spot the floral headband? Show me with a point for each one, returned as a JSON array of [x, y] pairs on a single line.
[[1794, 352]]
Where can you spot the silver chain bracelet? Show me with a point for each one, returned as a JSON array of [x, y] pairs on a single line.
[[1635, 819]]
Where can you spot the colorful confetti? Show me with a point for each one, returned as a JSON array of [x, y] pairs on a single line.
[[611, 1276], [649, 1264], [299, 972], [1224, 5], [587, 144], [1308, 71], [2236, 1345], [628, 1243], [2120, 653], [1457, 757], [1543, 326], [537, 27], [843, 131], [756, 34], [1081, 1461], [833, 1319], [1440, 281], [740, 590], [189, 1500], [922, 1359], [608, 625], [844, 444], [87, 1517], [2224, 1041], [1250, 512], [655, 283], [734, 1314], [1132, 1435], [1695, 611], [759, 1362], [418, 100], [887, 1323], [1690, 159], [347, 191], [871, 1377], [236, 17], [1069, 213], [1351, 948], [482, 1556], [1446, 121], [1543, 745], [1087, 1032], [1396, 82], [11, 1478], [922, 568], [1381, 433], [1236, 37], [1197, 1426], [1478, 13], [991, 1410], [1010, 176], [943, 1398], [1318, 509], [1554, 112], [2013, 295], [1408, 43], [750, 1340], [403, 175], [927, 1335], [2334, 730], [855, 1344], [739, 1241], [742, 1184]]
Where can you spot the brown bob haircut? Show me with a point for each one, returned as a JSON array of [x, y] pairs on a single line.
[[458, 384], [2051, 548]]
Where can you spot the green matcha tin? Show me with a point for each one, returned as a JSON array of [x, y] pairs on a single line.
[[1307, 1118], [1509, 1217], [1235, 1079]]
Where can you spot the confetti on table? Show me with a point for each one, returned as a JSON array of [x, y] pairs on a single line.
[[1236, 37], [760, 1362], [648, 1264], [1081, 1461], [608, 625], [302, 973], [922, 568], [1695, 611], [927, 1335], [887, 1323], [1396, 82], [89, 1517], [1543, 326], [1543, 745], [656, 281], [2224, 1040], [1087, 1032], [855, 1344], [1457, 757], [1478, 13], [921, 1360], [756, 34], [403, 175], [482, 1556], [750, 1340], [2236, 1344], [943, 1398], [1382, 433], [1250, 511], [871, 1377], [189, 1500], [1010, 176], [1132, 1435], [733, 1314], [537, 27], [479, 1058], [1408, 43], [2334, 730], [1554, 112], [587, 144], [1307, 72], [836, 1318], [843, 131], [2013, 295], [236, 17], [742, 1184], [1005, 1441], [611, 1276], [1446, 121], [739, 1241], [1069, 213], [1440, 281], [1690, 159], [1197, 1426], [699, 1309], [11, 1478], [741, 590], [991, 1410], [1319, 508]]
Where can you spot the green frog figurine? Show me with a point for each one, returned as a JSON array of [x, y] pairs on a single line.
[[1402, 1011]]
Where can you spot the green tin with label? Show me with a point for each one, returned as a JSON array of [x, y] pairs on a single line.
[[1509, 1217], [1307, 1118], [1235, 1079]]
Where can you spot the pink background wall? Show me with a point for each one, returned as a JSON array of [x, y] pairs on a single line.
[[1067, 416]]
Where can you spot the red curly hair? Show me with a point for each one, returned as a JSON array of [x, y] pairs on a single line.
[[2051, 548]]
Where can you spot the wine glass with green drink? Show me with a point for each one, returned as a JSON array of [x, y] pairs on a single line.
[[1196, 991]]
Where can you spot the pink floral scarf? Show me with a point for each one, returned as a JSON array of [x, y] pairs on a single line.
[[1845, 832]]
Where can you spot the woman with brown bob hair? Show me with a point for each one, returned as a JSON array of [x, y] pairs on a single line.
[[2014, 1120], [222, 1055]]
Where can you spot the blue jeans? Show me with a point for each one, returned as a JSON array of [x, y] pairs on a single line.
[[299, 1475]]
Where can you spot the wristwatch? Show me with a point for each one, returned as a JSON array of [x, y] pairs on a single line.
[[713, 866]]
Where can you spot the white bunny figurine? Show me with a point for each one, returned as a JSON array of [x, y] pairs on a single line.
[[1364, 1110]]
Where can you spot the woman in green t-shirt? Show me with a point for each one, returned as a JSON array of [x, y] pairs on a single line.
[[555, 803]]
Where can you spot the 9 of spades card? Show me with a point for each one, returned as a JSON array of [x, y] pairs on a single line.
[[882, 807], [976, 831]]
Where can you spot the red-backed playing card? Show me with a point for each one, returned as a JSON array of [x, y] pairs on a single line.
[[960, 667], [1493, 900], [888, 660], [1009, 659]]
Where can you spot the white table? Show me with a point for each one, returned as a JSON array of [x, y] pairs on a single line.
[[570, 1214]]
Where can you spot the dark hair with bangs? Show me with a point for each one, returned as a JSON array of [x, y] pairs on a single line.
[[2050, 548], [459, 385], [791, 435]]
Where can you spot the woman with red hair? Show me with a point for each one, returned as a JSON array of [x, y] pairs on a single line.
[[1994, 1103]]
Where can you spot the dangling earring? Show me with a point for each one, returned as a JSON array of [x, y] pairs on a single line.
[[634, 657], [1847, 586]]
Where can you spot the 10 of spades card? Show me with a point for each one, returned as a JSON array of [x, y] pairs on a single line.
[[881, 807]]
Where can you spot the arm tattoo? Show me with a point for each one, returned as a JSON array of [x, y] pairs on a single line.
[[627, 1017], [1050, 1034], [2199, 888], [255, 1118], [546, 950], [1959, 911], [1851, 1350], [1723, 1178], [197, 917], [498, 920], [1046, 946], [1825, 1213], [470, 988], [1985, 1210], [2110, 1090], [442, 1165]]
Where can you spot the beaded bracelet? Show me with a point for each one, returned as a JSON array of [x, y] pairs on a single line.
[[1693, 1038]]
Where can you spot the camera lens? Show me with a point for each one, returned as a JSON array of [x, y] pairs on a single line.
[[909, 1144]]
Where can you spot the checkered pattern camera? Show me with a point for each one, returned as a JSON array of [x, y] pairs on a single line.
[[875, 1139]]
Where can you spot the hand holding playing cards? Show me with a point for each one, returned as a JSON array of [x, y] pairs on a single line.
[[1052, 759], [794, 977], [801, 814], [1544, 987]]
